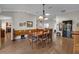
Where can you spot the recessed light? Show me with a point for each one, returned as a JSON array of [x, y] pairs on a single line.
[[47, 14], [45, 18]]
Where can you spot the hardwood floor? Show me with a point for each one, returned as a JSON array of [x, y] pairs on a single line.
[[23, 47]]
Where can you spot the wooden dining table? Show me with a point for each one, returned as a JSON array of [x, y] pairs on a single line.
[[36, 32]]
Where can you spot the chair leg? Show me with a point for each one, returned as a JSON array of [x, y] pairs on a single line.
[[43, 44], [32, 46]]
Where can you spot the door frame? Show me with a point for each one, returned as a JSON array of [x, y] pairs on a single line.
[[71, 22]]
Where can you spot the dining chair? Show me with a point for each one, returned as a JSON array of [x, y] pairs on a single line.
[[34, 41], [46, 38], [37, 39]]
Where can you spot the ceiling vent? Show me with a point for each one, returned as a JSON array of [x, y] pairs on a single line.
[[63, 10], [50, 7]]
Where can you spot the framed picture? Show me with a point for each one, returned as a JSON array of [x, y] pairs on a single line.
[[23, 24], [29, 24], [20, 24]]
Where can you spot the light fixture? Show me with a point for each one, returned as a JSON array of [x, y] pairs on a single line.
[[47, 14], [43, 11], [45, 18], [40, 17]]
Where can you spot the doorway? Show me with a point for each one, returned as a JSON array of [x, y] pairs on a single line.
[[67, 29]]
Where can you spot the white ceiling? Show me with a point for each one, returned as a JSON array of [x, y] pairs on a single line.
[[15, 8], [36, 9]]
